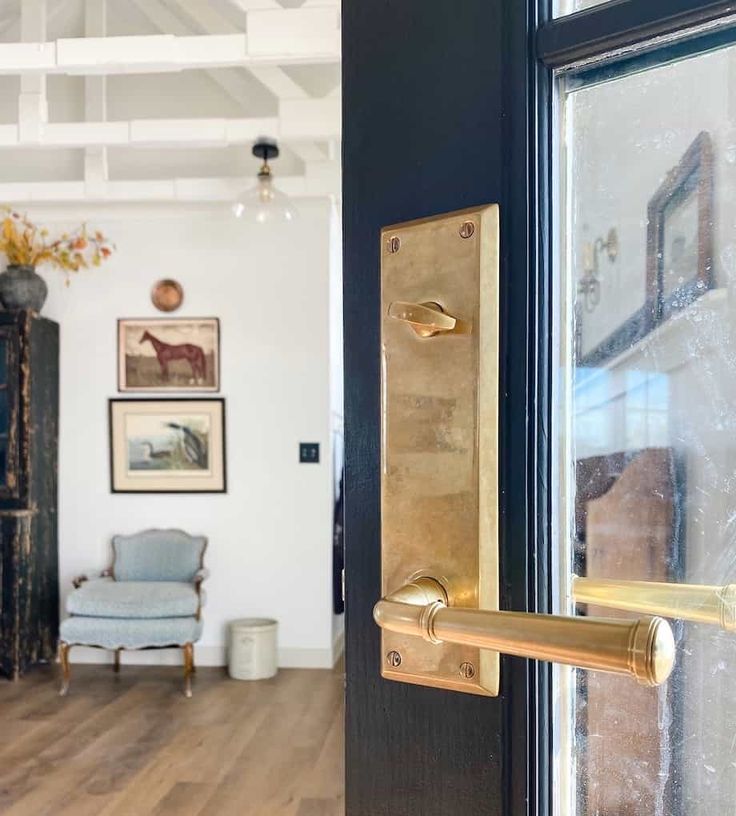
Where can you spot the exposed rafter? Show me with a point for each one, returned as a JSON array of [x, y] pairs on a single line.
[[169, 23], [95, 95], [240, 45], [275, 37], [307, 120], [251, 5], [32, 105], [207, 20], [320, 179]]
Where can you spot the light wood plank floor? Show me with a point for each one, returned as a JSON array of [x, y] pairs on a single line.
[[132, 745]]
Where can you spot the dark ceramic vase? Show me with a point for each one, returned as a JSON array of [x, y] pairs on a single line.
[[22, 288]]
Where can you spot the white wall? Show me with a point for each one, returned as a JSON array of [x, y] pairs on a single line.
[[270, 550]]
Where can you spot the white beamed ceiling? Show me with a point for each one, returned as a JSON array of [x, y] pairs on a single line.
[[187, 85]]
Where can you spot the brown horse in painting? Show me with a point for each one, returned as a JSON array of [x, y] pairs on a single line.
[[166, 353]]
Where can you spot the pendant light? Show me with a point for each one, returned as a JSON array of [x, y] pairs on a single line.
[[264, 203]]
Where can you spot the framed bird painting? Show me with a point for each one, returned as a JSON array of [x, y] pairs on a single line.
[[174, 354], [167, 446]]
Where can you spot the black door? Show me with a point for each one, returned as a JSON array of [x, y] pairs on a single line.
[[449, 105]]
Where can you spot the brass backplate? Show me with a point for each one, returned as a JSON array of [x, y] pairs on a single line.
[[439, 436]]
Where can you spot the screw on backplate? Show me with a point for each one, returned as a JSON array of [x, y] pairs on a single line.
[[393, 659], [467, 670], [394, 244], [467, 228]]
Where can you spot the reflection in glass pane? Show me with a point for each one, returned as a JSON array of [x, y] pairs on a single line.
[[647, 455], [4, 412], [3, 460], [563, 7], [3, 361]]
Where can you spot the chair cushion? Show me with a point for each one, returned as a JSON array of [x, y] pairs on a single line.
[[106, 598], [120, 633], [157, 555]]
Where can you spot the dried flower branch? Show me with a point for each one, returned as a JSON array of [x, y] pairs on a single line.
[[23, 243]]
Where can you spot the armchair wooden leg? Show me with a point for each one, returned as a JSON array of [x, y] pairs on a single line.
[[65, 669], [116, 663], [188, 668]]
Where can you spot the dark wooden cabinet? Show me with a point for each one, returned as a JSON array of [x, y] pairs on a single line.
[[29, 419]]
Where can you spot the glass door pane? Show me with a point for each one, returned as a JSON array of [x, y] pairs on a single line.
[[646, 422], [563, 7]]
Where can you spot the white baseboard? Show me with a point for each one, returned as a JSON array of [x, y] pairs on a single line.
[[203, 656], [305, 658]]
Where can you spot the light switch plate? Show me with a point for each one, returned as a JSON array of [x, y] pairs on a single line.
[[309, 452]]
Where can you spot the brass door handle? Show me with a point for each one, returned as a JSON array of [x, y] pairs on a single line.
[[643, 649], [426, 319], [702, 604]]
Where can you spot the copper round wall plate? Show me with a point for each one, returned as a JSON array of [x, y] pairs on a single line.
[[167, 295]]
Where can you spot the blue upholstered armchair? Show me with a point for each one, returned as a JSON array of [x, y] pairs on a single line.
[[150, 598]]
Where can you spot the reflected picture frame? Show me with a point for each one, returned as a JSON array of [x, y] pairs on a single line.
[[682, 203], [680, 233]]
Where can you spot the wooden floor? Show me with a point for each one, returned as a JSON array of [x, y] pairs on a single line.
[[132, 745]]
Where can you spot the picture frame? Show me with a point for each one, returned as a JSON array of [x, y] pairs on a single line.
[[680, 232], [679, 244], [168, 445], [169, 355]]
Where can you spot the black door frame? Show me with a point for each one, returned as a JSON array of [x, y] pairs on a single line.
[[534, 45]]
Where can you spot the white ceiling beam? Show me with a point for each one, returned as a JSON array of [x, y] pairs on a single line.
[[167, 22], [285, 37], [250, 5], [289, 31], [95, 95], [318, 184], [297, 125], [33, 111], [281, 85], [208, 20]]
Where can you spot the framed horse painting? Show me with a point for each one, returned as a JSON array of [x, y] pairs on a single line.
[[179, 354]]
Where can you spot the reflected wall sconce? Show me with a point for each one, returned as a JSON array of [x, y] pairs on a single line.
[[264, 202], [589, 284]]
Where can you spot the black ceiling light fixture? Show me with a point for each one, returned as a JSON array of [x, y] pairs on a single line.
[[264, 202]]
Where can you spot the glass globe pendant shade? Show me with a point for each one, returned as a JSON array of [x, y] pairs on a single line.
[[264, 203]]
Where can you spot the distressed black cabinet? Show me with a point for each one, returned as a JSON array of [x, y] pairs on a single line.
[[29, 418]]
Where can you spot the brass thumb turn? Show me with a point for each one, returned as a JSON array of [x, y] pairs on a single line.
[[643, 649], [426, 319]]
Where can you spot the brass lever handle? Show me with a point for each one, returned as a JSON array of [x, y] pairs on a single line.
[[703, 604], [426, 319], [644, 649]]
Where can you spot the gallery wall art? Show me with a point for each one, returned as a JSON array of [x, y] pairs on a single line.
[[167, 295], [169, 354], [167, 445]]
